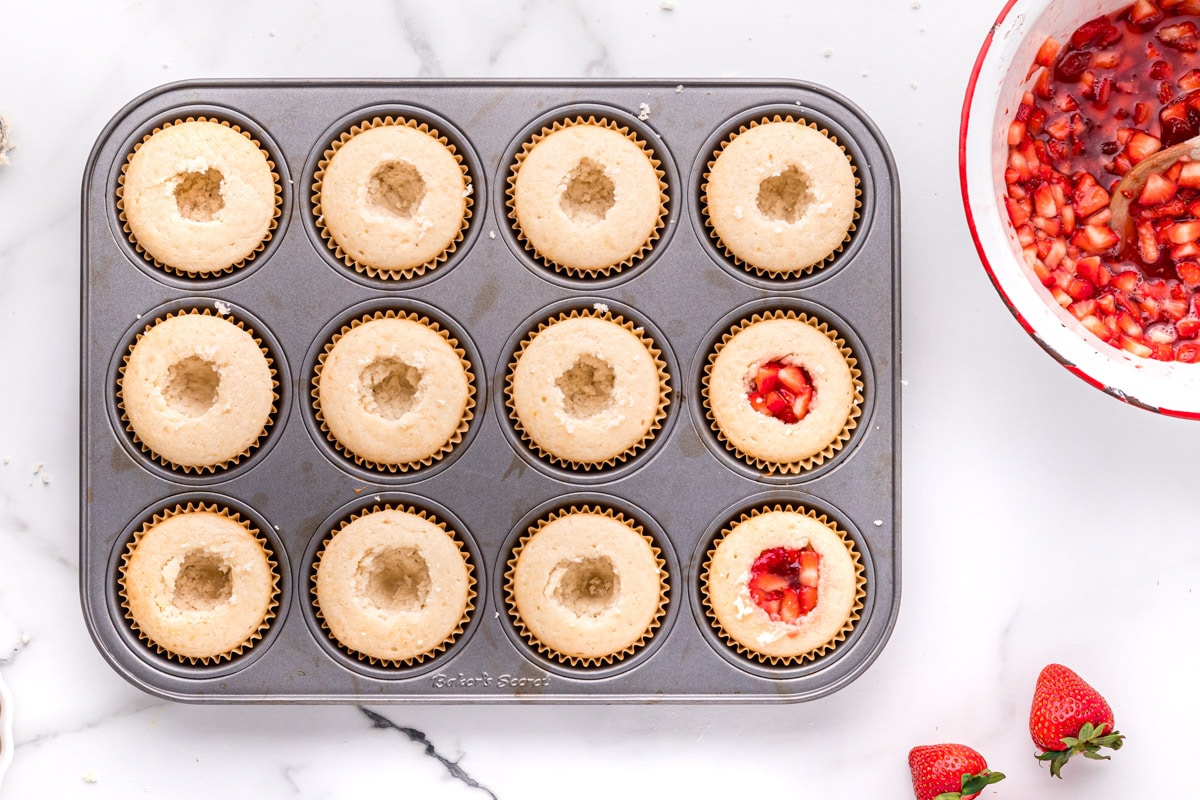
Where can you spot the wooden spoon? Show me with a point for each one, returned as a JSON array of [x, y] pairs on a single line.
[[1131, 185]]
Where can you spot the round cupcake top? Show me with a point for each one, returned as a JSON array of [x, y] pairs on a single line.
[[588, 389], [199, 584], [587, 586], [781, 391], [199, 197], [781, 196], [782, 584], [587, 197], [394, 585], [393, 197], [394, 391], [197, 390]]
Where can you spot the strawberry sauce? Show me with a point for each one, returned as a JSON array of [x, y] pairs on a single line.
[[1117, 90]]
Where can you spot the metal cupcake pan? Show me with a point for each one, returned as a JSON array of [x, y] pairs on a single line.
[[683, 487]]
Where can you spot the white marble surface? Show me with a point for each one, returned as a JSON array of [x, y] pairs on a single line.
[[1043, 521]]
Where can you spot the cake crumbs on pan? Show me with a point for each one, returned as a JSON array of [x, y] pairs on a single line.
[[7, 459], [827, 52], [222, 308], [912, 84], [470, 190], [91, 777], [679, 89], [643, 111], [45, 478], [491, 234], [667, 5], [601, 307], [38, 467], [916, 4], [877, 523], [25, 637], [903, 382]]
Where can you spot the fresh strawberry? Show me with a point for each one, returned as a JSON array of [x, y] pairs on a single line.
[[792, 378], [949, 772], [1069, 717]]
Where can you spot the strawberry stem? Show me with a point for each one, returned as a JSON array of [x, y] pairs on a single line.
[[972, 785], [1087, 743]]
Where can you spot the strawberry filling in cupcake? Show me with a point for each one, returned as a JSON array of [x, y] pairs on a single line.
[[783, 582], [779, 390]]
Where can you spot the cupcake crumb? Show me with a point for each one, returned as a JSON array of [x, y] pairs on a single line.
[[90, 776], [827, 52], [5, 142], [139, 316], [878, 523], [643, 111], [601, 307], [916, 4], [7, 459], [45, 477], [37, 467], [222, 308], [25, 637], [668, 5], [679, 89], [470, 190]]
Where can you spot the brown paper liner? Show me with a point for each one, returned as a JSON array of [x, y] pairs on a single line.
[[437, 648], [860, 589], [629, 134], [463, 425], [160, 517], [838, 442], [664, 390], [205, 467], [205, 273], [712, 232], [331, 243], [584, 661]]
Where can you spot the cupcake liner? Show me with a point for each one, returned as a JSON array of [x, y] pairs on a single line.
[[712, 232], [546, 650], [331, 243], [463, 425], [860, 589], [436, 649], [209, 468], [205, 273], [632, 136], [160, 517], [794, 467], [664, 390]]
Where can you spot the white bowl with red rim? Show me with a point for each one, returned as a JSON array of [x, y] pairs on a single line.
[[997, 83], [6, 735]]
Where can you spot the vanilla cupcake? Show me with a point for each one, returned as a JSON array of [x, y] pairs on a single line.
[[392, 197], [199, 584], [394, 391], [588, 389], [780, 196], [586, 586], [197, 391], [783, 585], [783, 391], [199, 197], [587, 196], [394, 586]]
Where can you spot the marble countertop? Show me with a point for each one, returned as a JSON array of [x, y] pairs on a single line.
[[1043, 521]]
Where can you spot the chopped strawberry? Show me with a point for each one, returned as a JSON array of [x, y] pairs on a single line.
[[1189, 175], [1126, 281], [1095, 239], [1188, 272], [1043, 201], [1183, 232], [1188, 353], [810, 562], [1182, 36], [767, 582], [1158, 190], [1141, 145], [767, 378], [1047, 52], [793, 379], [775, 403], [759, 403], [789, 610]]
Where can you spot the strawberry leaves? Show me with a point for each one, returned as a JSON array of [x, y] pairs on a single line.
[[972, 785], [1087, 744]]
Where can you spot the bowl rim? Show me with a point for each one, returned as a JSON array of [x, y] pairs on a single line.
[[1075, 369], [6, 735]]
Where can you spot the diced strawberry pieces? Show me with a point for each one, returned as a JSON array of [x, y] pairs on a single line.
[[793, 379], [759, 403], [1158, 190], [1183, 232], [775, 403], [1147, 242], [801, 403], [766, 379], [1182, 36], [768, 582], [1135, 347], [1095, 239], [1043, 201], [810, 562], [1126, 281], [1049, 49], [772, 607], [1144, 14], [1141, 145], [789, 609], [1188, 272], [1089, 32], [1089, 196], [1187, 353], [808, 598], [1189, 174]]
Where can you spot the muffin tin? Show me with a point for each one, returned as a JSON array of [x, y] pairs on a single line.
[[684, 487]]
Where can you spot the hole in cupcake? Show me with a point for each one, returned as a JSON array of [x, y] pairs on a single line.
[[203, 582], [589, 193], [781, 390], [785, 196], [192, 386], [783, 582], [390, 387], [396, 188], [396, 579], [198, 194], [586, 587], [587, 387]]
